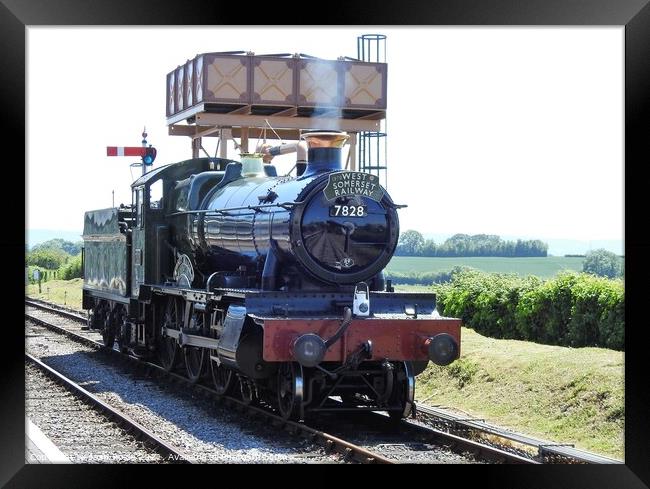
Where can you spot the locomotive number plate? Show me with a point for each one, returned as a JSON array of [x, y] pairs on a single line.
[[348, 210]]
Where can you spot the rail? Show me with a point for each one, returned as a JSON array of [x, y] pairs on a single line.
[[141, 433]]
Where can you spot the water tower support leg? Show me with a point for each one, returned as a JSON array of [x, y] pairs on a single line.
[[196, 146]]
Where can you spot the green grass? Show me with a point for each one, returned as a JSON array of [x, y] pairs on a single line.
[[561, 394], [66, 292], [543, 267]]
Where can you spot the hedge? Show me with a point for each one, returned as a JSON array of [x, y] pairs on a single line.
[[572, 309]]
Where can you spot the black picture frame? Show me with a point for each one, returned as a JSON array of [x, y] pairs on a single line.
[[15, 15]]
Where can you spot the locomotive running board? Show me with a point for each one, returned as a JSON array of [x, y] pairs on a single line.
[[306, 304]]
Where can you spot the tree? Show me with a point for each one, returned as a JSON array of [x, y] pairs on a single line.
[[60, 244], [428, 248], [72, 269], [47, 258], [602, 262], [410, 243], [413, 244]]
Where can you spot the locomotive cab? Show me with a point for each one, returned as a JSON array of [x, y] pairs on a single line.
[[157, 194]]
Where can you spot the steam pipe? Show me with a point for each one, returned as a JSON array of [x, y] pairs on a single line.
[[300, 148], [270, 272]]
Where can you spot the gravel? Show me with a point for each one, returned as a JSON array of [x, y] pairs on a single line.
[[63, 322], [82, 434], [211, 433]]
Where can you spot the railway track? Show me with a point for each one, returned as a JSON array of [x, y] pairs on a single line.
[[364, 439], [130, 426], [543, 450]]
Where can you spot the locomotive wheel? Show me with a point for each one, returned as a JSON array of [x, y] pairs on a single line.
[[168, 347], [290, 390], [404, 392], [95, 318], [194, 362], [108, 332], [221, 376], [248, 392], [121, 321], [195, 357], [108, 335]]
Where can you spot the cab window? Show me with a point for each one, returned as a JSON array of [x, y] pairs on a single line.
[[156, 194], [138, 197]]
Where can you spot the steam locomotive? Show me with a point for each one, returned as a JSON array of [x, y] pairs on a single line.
[[272, 285]]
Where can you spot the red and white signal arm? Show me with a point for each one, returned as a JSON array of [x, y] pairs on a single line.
[[125, 151], [147, 154]]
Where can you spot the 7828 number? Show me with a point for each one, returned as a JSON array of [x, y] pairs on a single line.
[[348, 211]]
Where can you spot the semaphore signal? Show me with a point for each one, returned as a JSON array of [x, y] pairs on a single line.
[[147, 153]]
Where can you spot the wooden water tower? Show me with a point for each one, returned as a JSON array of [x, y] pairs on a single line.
[[241, 95]]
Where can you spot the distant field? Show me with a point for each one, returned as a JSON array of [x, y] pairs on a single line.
[[543, 267]]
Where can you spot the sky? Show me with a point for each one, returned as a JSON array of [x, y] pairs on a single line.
[[511, 131]]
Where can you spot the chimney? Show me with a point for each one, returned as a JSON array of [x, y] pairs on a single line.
[[323, 151]]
